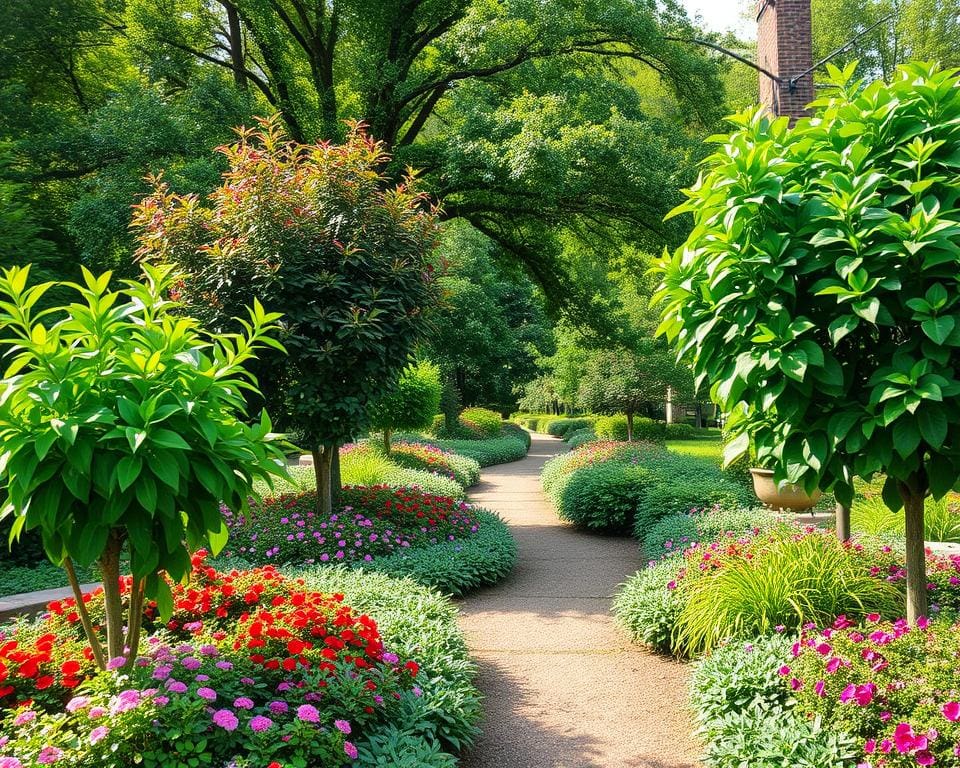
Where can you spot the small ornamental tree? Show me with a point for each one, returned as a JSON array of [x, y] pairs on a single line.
[[629, 382], [412, 405], [120, 434], [818, 291], [316, 232]]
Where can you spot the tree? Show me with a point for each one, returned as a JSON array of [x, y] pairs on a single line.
[[317, 232], [412, 405], [818, 291], [629, 381], [120, 430]]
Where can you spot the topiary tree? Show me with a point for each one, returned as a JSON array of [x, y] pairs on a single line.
[[818, 290], [318, 233], [120, 433], [412, 405]]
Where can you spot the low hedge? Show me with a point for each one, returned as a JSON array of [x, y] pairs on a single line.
[[489, 423], [674, 533], [512, 445], [458, 567], [646, 608], [560, 427], [618, 498], [576, 438]]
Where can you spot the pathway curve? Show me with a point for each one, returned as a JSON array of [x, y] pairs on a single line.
[[564, 688]]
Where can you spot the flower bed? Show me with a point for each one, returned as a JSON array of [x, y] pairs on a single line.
[[436, 540], [416, 455], [748, 584], [251, 665]]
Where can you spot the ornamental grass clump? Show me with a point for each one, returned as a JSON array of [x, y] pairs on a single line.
[[122, 430]]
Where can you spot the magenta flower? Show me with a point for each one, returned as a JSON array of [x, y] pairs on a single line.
[[308, 713], [243, 702], [260, 723], [951, 711], [350, 750], [49, 755], [225, 719], [98, 734], [343, 726], [207, 694]]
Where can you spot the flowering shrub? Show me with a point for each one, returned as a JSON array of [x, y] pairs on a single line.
[[676, 533], [893, 686], [250, 664], [373, 522], [431, 458]]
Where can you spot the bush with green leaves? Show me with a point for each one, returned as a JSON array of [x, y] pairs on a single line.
[[512, 445], [562, 427], [121, 433], [419, 455], [489, 423], [412, 405], [644, 429], [817, 290], [646, 608], [579, 437], [604, 497], [680, 431], [362, 464], [745, 712], [695, 486]]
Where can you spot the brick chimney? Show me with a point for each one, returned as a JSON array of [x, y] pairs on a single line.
[[785, 48]]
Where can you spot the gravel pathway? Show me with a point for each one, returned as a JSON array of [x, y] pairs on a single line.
[[564, 688]]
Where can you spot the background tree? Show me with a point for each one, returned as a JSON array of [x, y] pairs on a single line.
[[411, 405], [318, 232], [121, 433], [818, 291]]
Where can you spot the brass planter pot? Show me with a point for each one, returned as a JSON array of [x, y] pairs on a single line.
[[788, 496]]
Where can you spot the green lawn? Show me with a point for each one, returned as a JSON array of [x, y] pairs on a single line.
[[703, 448]]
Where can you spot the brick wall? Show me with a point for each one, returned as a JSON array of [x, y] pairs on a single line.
[[785, 48]]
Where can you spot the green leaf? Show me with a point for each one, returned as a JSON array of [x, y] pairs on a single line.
[[891, 495], [938, 329], [167, 472], [219, 539], [736, 449], [906, 437], [941, 474], [868, 309], [146, 492], [128, 470], [135, 437], [842, 327], [794, 364], [933, 425], [169, 439], [164, 598]]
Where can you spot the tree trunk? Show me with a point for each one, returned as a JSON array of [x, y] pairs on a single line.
[[321, 468], [843, 522], [95, 646], [113, 603], [236, 45], [386, 441], [916, 558], [335, 483], [629, 426]]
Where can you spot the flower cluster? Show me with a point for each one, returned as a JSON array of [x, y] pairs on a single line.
[[249, 663], [373, 522], [892, 685], [433, 459]]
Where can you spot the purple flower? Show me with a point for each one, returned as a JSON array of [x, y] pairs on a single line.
[[278, 707], [191, 663], [224, 665], [208, 694], [175, 686], [78, 702], [350, 750], [343, 726], [225, 719], [243, 703], [98, 733], [260, 723], [308, 713]]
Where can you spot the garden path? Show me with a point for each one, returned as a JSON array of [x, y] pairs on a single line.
[[564, 688]]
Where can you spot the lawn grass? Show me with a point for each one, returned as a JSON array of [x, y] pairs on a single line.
[[703, 448]]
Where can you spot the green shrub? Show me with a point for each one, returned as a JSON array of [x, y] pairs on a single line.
[[489, 422], [416, 622], [646, 608], [675, 533], [611, 427], [510, 446], [579, 437], [680, 432], [671, 534], [462, 469], [562, 427], [411, 405], [686, 491], [745, 710], [644, 429], [604, 497], [512, 430], [458, 567], [783, 578]]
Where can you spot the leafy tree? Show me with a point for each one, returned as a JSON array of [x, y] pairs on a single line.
[[120, 426], [314, 230], [412, 405], [629, 381], [818, 291]]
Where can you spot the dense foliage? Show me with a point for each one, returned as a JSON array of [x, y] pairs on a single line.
[[846, 226], [352, 274], [122, 434], [412, 405]]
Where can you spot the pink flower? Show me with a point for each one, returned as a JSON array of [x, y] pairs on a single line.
[[350, 750], [225, 719], [10, 762], [951, 711], [207, 694], [924, 756], [783, 671], [27, 716], [259, 724], [870, 746], [922, 623], [243, 702], [343, 726], [833, 665], [77, 702], [308, 713], [49, 755], [818, 688], [98, 733]]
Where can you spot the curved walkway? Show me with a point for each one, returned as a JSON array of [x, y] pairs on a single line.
[[564, 688]]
